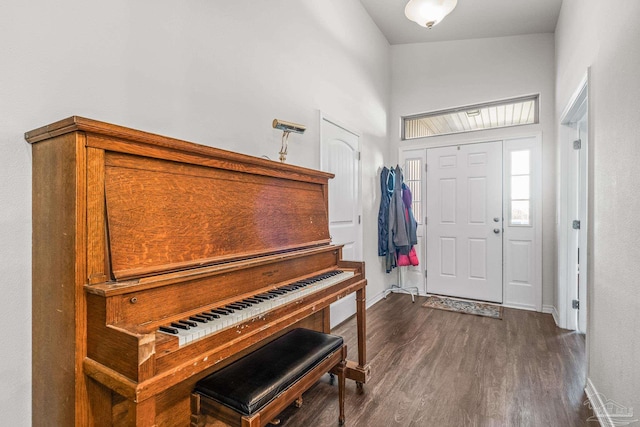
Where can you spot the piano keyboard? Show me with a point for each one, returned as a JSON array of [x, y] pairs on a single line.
[[214, 320]]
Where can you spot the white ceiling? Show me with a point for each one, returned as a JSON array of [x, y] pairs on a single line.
[[471, 19]]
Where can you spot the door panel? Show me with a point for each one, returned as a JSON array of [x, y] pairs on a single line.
[[464, 221]]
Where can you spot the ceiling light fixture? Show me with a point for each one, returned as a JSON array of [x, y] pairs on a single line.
[[428, 13]]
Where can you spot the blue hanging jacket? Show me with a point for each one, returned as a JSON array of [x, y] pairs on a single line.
[[386, 179]]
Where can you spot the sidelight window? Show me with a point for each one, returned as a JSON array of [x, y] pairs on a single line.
[[520, 183], [413, 179]]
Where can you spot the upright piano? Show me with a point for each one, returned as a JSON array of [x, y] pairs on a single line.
[[157, 261]]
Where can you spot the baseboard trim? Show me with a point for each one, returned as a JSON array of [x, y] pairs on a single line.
[[374, 300], [608, 412], [550, 309], [597, 405], [517, 306]]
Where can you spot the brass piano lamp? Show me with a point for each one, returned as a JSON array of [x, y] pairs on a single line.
[[286, 128]]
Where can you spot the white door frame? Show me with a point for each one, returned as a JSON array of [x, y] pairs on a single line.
[[536, 298], [575, 112]]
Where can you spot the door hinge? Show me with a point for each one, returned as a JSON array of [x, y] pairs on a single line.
[[359, 219], [425, 273], [575, 304], [577, 144], [358, 155], [425, 167], [576, 224]]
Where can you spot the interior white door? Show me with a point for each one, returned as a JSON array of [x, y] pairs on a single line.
[[340, 149], [464, 221]]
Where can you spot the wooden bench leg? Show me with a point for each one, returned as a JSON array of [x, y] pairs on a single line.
[[341, 386], [195, 410]]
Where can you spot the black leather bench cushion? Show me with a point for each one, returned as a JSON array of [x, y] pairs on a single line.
[[254, 380]]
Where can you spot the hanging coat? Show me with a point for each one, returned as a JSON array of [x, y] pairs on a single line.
[[412, 224], [386, 179], [398, 232]]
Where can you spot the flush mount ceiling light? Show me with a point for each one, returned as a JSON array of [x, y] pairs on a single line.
[[428, 13]]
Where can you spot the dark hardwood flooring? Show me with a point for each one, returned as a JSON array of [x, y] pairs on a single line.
[[437, 368]]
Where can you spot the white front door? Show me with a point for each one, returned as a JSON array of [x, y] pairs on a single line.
[[464, 221], [340, 156]]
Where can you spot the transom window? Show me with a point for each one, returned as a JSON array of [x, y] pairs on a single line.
[[491, 115]]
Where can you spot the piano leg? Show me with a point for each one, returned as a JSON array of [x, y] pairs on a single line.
[[361, 372], [146, 412], [361, 319]]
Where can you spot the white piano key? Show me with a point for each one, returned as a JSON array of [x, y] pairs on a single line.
[[186, 336]]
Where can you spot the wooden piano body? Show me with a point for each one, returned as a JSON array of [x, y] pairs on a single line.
[[133, 231]]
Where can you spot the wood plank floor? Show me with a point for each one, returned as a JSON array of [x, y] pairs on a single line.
[[437, 368]]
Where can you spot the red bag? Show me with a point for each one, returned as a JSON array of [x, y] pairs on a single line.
[[413, 257], [403, 260]]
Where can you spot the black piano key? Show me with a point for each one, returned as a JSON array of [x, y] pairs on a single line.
[[180, 325], [252, 300], [200, 319], [221, 311], [211, 315], [243, 304], [168, 329], [277, 292], [188, 322], [266, 296], [233, 306]]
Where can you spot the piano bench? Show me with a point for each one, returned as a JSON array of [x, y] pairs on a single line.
[[253, 390]]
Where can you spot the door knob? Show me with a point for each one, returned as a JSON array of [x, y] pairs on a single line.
[[496, 230], [496, 219]]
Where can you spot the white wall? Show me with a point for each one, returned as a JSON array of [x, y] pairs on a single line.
[[435, 76], [605, 36], [213, 72]]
